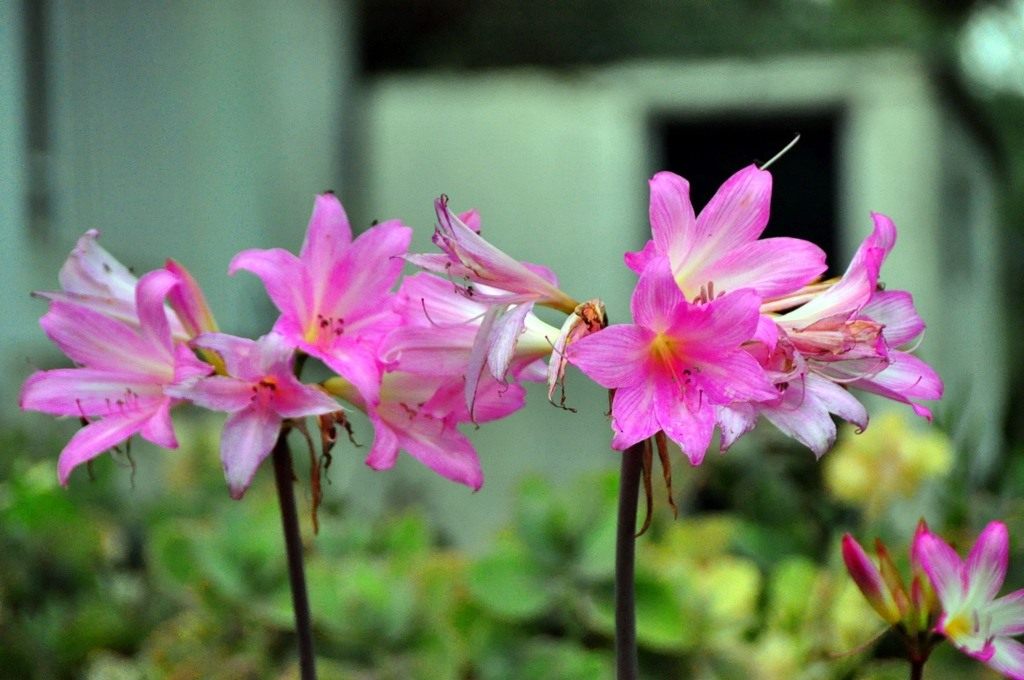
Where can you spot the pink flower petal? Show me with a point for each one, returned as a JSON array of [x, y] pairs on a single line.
[[735, 215], [895, 310], [240, 355], [722, 324], [503, 339], [734, 421], [159, 429], [91, 270], [94, 340], [633, 414], [356, 364], [1006, 615], [656, 298], [88, 392], [944, 570], [613, 357], [444, 450], [217, 393], [97, 437], [673, 223], [905, 378], [1008, 658], [189, 303], [248, 437], [689, 427], [295, 400], [149, 302], [986, 565], [327, 238], [283, 275], [638, 261], [771, 267]]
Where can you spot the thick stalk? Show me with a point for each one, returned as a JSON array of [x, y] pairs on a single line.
[[916, 669], [626, 663], [293, 548]]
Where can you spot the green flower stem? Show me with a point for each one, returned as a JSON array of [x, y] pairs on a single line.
[[626, 663], [293, 548]]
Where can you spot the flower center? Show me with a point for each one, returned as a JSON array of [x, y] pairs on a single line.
[[264, 390], [958, 626], [324, 328]]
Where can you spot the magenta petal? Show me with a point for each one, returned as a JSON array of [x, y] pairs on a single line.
[[94, 340], [159, 429], [771, 267], [295, 400], [736, 214], [671, 214], [616, 356], [986, 564], [327, 236], [384, 451], [895, 310], [363, 276], [189, 303], [721, 325], [446, 451], [656, 297], [240, 355], [495, 400], [356, 364], [1008, 658], [283, 275], [429, 350], [905, 378], [217, 393], [149, 301], [247, 438], [638, 261], [689, 427], [943, 567], [87, 392], [633, 415], [97, 437]]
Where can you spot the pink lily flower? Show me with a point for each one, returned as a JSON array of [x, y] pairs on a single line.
[[720, 249], [445, 333], [260, 391], [973, 618], [420, 414], [334, 298], [123, 375], [675, 363], [468, 256]]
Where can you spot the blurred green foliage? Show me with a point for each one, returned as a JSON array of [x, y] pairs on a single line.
[[105, 581]]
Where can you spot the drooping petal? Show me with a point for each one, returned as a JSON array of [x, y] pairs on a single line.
[[495, 400], [445, 450], [384, 451], [97, 437], [734, 421], [503, 339], [283, 275], [895, 310], [985, 568], [91, 270], [478, 354], [638, 261], [689, 427], [247, 438], [149, 301], [616, 356], [905, 378], [633, 415], [158, 429]]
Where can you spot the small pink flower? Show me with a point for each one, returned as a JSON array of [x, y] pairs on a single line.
[[468, 256], [869, 579], [720, 250], [973, 618], [260, 390], [335, 297], [123, 374], [675, 363], [445, 333]]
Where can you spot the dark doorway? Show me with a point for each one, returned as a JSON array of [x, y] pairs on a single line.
[[706, 151]]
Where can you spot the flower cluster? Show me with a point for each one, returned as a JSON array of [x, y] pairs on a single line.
[[726, 327], [949, 598]]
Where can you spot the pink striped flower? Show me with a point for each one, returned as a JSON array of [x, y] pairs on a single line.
[[124, 370], [259, 391], [973, 618], [675, 363], [335, 297]]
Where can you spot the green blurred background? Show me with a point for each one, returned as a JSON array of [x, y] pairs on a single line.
[[194, 130]]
